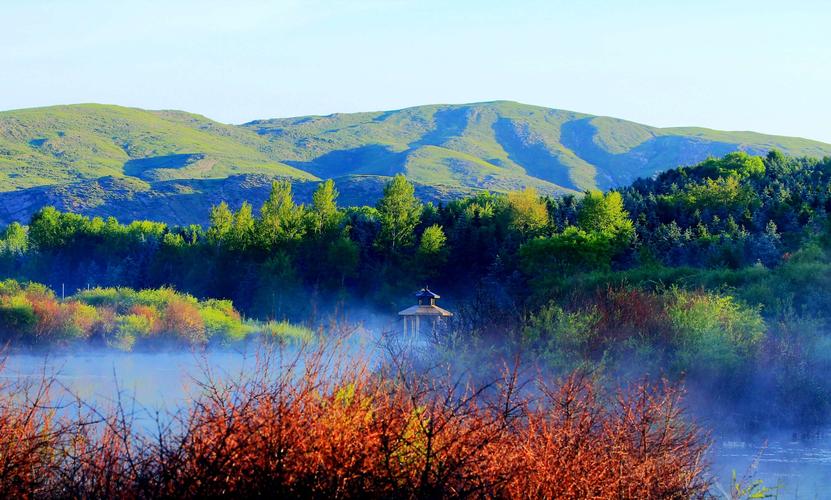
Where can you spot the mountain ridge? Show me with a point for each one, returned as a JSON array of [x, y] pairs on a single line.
[[493, 145]]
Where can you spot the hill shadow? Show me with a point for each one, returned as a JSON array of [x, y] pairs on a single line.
[[449, 123], [653, 155], [373, 159], [531, 154], [140, 167]]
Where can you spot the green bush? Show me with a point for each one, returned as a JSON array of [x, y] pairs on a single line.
[[563, 338], [17, 316], [712, 331], [285, 331], [130, 328], [223, 325]]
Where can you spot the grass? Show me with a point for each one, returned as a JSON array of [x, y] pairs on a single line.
[[68, 143]]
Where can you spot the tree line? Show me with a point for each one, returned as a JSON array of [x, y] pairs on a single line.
[[719, 272], [283, 258]]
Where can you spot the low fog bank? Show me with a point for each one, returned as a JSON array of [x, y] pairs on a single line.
[[162, 377], [154, 383]]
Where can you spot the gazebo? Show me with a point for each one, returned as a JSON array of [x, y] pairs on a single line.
[[426, 308]]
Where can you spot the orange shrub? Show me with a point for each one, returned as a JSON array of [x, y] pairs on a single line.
[[182, 319], [329, 427], [49, 318], [149, 312], [29, 439]]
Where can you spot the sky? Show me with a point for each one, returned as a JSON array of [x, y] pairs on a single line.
[[726, 64]]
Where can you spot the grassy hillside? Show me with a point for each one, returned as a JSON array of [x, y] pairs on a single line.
[[69, 143], [504, 145], [94, 157], [498, 146]]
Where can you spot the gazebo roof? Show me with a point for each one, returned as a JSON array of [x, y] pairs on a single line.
[[423, 310], [425, 293]]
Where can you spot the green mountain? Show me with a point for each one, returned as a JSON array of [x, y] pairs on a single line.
[[94, 156], [62, 144]]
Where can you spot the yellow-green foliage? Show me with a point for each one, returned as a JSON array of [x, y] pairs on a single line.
[[78, 319], [223, 325], [16, 314], [121, 317], [604, 214], [713, 329], [528, 210], [130, 327], [720, 193], [283, 331]]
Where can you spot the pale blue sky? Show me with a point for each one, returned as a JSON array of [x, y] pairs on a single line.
[[735, 65]]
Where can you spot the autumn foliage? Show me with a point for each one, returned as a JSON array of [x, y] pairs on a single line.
[[31, 314], [328, 426]]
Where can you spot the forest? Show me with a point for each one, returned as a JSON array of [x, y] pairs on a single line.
[[715, 274]]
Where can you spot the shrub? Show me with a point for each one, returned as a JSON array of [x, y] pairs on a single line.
[[100, 296], [78, 319], [285, 331], [713, 331], [151, 316], [223, 325], [128, 329], [119, 317], [9, 287], [49, 319], [181, 318], [17, 316], [565, 337], [331, 427]]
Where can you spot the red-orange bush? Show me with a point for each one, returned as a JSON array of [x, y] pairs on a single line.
[[330, 427], [182, 318], [149, 312], [29, 440], [626, 312]]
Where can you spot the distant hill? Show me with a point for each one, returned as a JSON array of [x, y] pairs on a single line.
[[187, 201], [94, 157]]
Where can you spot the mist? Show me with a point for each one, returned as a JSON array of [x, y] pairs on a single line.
[[154, 385]]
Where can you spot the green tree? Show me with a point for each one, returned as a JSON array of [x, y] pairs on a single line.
[[342, 257], [45, 231], [573, 249], [529, 213], [432, 241], [222, 223], [718, 195], [14, 240], [399, 212], [739, 164], [325, 218], [604, 218], [601, 213], [281, 220], [243, 232], [604, 229], [432, 251]]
